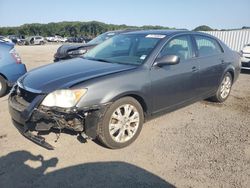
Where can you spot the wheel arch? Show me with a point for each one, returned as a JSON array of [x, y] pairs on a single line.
[[4, 76], [232, 74], [231, 70], [142, 101]]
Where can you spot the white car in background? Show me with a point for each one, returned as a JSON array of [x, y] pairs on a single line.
[[56, 38], [5, 39], [245, 58], [35, 40]]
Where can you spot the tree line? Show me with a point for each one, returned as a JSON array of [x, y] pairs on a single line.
[[66, 29], [76, 29]]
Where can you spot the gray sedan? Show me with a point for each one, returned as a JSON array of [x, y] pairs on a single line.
[[121, 83]]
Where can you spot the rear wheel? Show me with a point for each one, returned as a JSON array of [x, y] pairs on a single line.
[[3, 86], [224, 89], [122, 123]]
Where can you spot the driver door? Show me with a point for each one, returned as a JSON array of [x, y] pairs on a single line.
[[173, 85]]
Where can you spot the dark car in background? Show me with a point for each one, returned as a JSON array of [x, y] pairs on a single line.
[[68, 51], [77, 39], [110, 92], [11, 67], [17, 39]]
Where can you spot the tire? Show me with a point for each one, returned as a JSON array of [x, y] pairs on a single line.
[[224, 89], [129, 125], [3, 86]]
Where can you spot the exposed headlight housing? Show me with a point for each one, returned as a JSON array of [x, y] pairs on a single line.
[[65, 98]]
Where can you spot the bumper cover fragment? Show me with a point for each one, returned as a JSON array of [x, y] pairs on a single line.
[[34, 138]]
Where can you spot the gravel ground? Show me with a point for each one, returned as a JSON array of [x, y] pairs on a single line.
[[201, 145]]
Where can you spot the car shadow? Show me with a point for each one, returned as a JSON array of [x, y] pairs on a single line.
[[15, 172]]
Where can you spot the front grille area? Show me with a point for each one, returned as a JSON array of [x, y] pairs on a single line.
[[26, 95], [243, 64], [19, 103]]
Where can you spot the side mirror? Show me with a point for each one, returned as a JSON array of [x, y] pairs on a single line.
[[167, 60]]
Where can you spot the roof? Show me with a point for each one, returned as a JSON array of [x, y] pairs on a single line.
[[159, 32], [122, 31]]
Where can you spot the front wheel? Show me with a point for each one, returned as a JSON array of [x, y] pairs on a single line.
[[224, 89], [122, 123]]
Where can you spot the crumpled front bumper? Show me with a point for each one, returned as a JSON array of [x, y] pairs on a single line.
[[23, 129], [29, 117]]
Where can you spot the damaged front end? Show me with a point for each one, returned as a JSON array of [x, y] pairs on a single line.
[[46, 118], [29, 116]]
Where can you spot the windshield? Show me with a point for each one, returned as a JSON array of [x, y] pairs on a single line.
[[99, 39], [124, 48]]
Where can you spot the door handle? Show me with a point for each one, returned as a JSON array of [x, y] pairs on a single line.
[[194, 69]]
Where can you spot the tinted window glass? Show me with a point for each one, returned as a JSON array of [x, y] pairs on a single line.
[[125, 48], [207, 46], [180, 46]]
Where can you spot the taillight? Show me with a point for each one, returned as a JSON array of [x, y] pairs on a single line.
[[16, 56]]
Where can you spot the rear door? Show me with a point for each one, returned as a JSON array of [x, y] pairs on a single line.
[[175, 84], [211, 62]]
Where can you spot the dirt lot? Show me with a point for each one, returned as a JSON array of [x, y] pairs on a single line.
[[202, 145]]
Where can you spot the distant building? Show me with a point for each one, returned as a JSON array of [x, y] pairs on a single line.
[[235, 39]]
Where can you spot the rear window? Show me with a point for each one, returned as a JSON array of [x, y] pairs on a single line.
[[207, 46]]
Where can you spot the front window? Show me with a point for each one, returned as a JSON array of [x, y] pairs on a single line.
[[125, 49], [180, 46]]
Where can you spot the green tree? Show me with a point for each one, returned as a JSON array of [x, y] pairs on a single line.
[[203, 28], [88, 29]]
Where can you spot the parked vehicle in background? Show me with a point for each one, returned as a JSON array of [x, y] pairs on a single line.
[[68, 51], [5, 39], [129, 78], [80, 39], [51, 39], [35, 40], [11, 67], [56, 38], [17, 39], [245, 59]]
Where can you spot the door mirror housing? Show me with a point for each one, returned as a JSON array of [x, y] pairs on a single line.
[[167, 60]]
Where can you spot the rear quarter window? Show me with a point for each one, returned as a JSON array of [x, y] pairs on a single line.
[[207, 46]]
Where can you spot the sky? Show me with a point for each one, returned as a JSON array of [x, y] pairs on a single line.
[[219, 14]]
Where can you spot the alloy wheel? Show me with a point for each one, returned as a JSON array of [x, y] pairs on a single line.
[[124, 123], [225, 87]]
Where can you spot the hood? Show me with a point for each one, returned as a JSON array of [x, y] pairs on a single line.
[[64, 75], [64, 49]]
